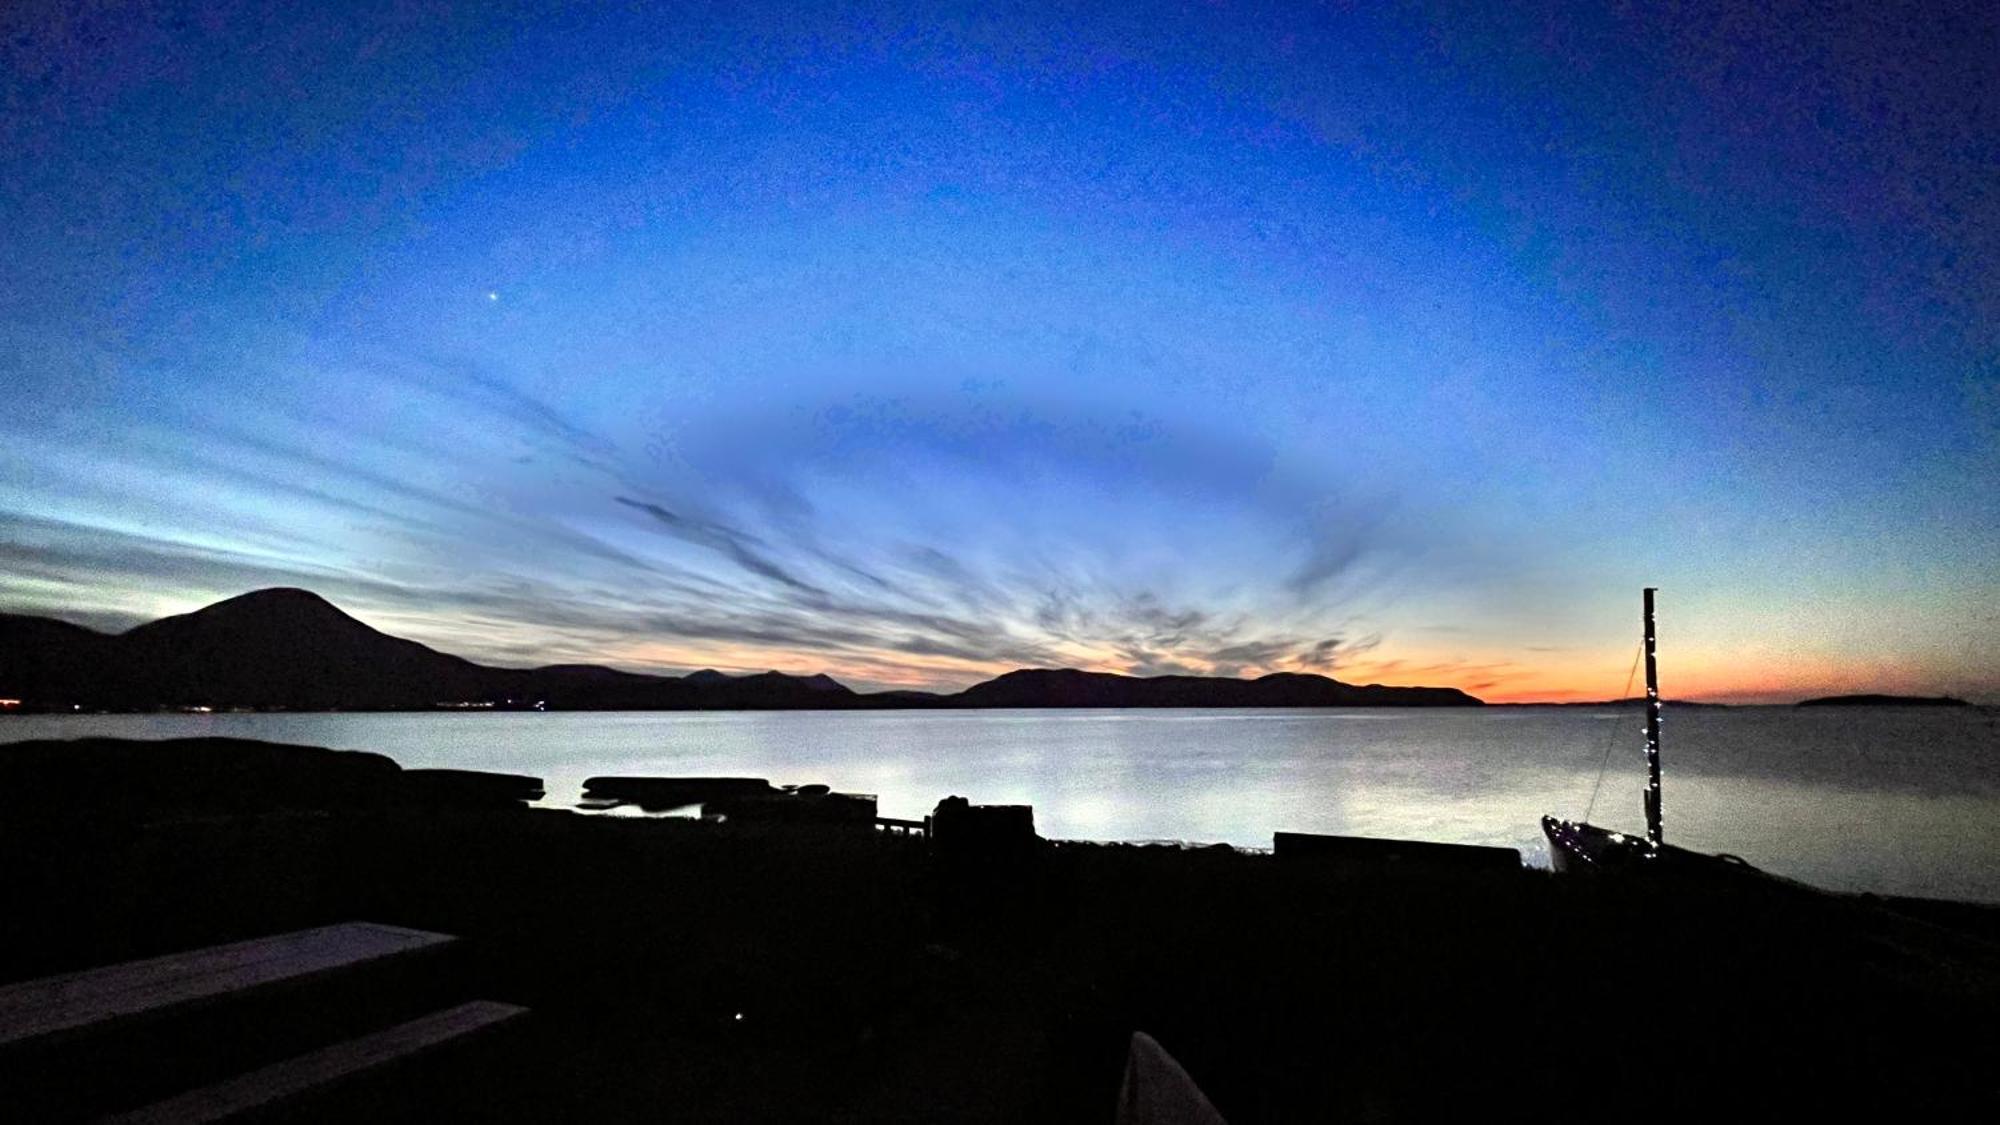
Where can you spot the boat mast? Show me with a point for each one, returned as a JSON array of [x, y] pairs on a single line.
[[1652, 731]]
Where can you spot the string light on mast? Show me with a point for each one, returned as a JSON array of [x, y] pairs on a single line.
[[1654, 833]]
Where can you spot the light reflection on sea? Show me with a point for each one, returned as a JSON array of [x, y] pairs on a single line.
[[1903, 801]]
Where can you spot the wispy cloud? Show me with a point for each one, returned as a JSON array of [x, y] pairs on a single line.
[[738, 547], [927, 542]]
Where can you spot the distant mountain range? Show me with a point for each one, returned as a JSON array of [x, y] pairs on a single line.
[[1068, 688], [1628, 701], [1876, 700], [286, 649]]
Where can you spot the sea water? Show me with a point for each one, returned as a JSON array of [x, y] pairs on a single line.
[[1890, 800]]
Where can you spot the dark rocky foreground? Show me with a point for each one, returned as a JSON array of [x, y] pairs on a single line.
[[880, 979]]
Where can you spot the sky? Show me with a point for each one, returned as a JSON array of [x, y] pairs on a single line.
[[1400, 343]]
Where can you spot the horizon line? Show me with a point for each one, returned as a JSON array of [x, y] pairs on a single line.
[[1556, 697]]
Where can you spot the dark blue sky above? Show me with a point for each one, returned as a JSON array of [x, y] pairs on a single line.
[[1401, 343]]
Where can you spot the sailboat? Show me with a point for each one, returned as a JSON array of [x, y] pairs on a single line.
[[1575, 846]]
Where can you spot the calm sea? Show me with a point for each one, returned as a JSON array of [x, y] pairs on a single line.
[[1903, 801]]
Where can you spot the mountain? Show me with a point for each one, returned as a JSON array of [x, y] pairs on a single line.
[[289, 648], [286, 649], [293, 650], [43, 659], [1628, 701], [1065, 687], [1884, 701]]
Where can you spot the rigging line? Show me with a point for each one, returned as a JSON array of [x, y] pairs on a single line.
[[1613, 740]]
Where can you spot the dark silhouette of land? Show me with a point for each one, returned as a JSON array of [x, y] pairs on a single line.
[[287, 649], [722, 972], [129, 781], [1884, 701], [1068, 688], [1629, 701]]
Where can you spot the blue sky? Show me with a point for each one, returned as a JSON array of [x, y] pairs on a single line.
[[914, 344]]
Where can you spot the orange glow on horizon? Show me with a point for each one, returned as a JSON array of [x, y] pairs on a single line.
[[1584, 674], [1570, 678]]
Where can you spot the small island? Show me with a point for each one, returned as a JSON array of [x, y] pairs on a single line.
[[1873, 700]]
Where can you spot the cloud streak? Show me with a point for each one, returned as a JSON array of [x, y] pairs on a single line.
[[866, 356], [803, 582], [738, 547]]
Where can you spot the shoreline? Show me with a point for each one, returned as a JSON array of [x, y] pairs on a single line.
[[851, 975], [885, 978], [1159, 781]]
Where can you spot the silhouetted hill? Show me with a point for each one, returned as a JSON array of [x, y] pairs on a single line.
[[1629, 701], [43, 659], [288, 648], [1884, 701], [1064, 687], [285, 649], [905, 697], [291, 649]]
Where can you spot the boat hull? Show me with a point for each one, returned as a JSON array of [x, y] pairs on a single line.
[[1579, 848], [1575, 847]]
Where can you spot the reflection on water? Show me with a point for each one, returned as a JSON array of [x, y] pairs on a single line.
[[1893, 800]]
